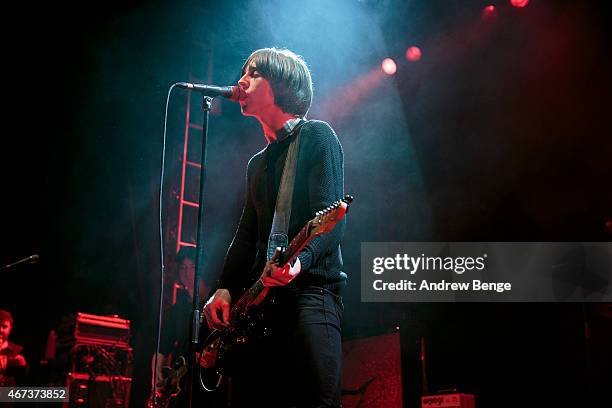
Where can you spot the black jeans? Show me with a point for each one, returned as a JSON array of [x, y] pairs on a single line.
[[299, 364]]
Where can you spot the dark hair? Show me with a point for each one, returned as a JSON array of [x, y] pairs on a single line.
[[186, 252], [289, 78], [4, 315]]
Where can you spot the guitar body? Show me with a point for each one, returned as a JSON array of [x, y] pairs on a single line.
[[171, 387], [247, 314], [218, 346]]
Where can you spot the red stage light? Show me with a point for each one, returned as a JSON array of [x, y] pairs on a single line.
[[488, 11], [413, 54], [519, 3], [608, 225], [389, 67]]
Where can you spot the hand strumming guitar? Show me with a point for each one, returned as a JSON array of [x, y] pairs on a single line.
[[217, 310]]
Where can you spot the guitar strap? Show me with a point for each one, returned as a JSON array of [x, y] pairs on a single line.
[[282, 213]]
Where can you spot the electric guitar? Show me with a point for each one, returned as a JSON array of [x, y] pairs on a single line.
[[244, 314], [171, 384]]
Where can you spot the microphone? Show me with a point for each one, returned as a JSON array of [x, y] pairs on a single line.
[[30, 259], [233, 93]]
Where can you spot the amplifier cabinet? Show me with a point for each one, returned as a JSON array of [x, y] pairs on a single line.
[[98, 392], [93, 329], [103, 330]]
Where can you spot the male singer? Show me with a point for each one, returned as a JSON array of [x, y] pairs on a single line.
[[300, 363]]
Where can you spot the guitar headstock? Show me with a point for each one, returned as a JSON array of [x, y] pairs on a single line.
[[325, 220]]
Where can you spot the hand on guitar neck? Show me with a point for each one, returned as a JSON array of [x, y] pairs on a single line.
[[275, 275]]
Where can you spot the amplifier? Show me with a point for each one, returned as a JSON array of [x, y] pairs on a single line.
[[101, 391], [92, 329], [96, 359], [448, 401]]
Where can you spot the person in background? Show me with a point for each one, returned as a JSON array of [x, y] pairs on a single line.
[[13, 365], [175, 330]]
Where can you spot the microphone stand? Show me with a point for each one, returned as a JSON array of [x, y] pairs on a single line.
[[194, 330]]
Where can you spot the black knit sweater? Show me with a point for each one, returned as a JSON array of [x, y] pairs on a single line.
[[319, 181]]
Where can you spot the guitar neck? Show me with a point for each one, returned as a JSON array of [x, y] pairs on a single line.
[[297, 244], [255, 292], [247, 299], [323, 222]]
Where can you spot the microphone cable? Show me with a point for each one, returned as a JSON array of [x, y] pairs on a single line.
[[161, 246]]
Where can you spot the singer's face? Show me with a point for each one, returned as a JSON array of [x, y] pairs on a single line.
[[258, 95], [5, 330]]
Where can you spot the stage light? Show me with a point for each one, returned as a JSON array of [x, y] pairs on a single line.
[[389, 67], [488, 11], [608, 225], [413, 54], [519, 3]]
